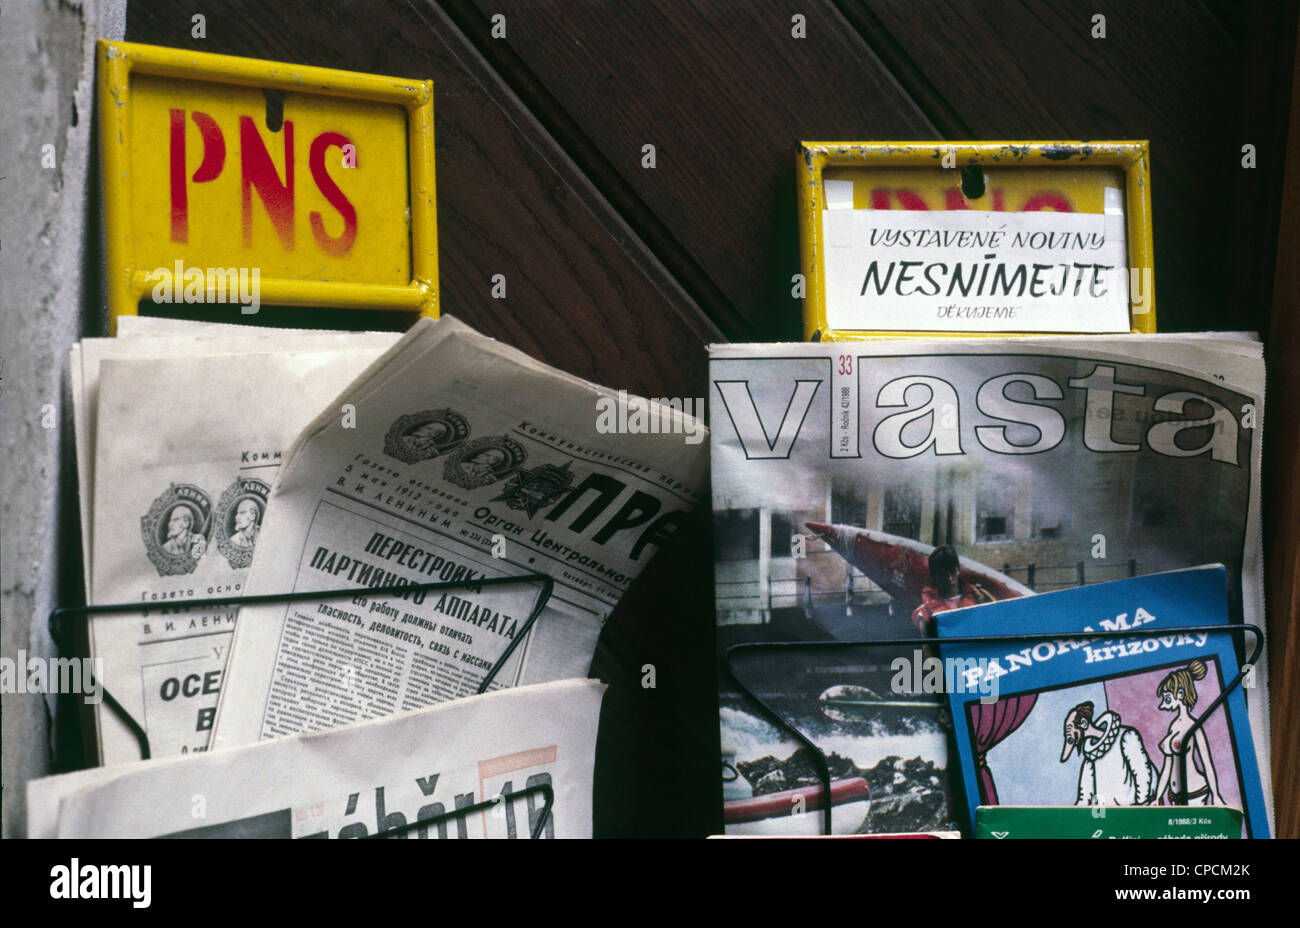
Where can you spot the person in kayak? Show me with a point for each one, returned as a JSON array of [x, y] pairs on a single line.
[[946, 590]]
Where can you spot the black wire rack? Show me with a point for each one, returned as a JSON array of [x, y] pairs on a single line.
[[546, 586], [818, 756]]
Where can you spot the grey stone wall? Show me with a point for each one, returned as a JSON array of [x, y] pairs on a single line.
[[50, 294]]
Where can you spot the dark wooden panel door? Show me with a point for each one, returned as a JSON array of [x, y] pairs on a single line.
[[723, 91]]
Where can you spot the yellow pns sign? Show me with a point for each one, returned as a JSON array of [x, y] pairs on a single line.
[[237, 180]]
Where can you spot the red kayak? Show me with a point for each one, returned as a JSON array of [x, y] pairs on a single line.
[[799, 811], [901, 566]]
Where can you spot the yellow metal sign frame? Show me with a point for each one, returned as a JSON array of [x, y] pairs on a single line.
[[128, 282], [814, 157]]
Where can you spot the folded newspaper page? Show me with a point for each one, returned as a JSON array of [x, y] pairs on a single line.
[[185, 447], [861, 489], [452, 459], [385, 775]]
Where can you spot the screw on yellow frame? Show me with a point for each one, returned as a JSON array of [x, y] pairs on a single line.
[[815, 157], [136, 267]]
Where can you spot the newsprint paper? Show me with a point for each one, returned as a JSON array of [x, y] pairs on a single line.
[[453, 458], [178, 442], [1043, 463], [357, 781]]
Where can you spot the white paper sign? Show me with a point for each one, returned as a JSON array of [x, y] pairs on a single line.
[[975, 271]]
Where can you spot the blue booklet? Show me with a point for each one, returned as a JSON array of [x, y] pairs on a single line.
[[1101, 721]]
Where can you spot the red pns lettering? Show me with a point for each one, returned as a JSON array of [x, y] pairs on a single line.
[[258, 173]]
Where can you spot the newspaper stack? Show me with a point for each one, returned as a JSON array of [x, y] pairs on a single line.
[[218, 461], [860, 490], [222, 461]]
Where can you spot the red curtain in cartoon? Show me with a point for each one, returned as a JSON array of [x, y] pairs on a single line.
[[991, 723]]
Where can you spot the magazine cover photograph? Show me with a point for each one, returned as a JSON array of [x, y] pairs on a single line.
[[858, 497]]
